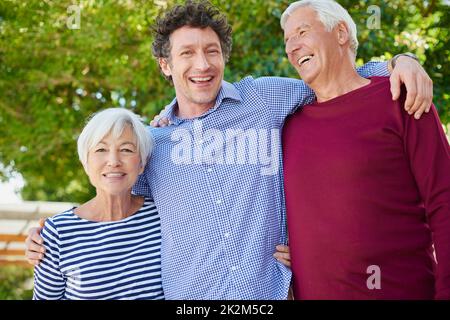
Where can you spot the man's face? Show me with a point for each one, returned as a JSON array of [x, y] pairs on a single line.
[[309, 47], [196, 65]]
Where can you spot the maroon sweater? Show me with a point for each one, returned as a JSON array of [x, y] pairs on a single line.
[[367, 185]]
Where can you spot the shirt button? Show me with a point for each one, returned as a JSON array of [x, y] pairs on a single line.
[[200, 141], [233, 268], [226, 235], [209, 170], [219, 201]]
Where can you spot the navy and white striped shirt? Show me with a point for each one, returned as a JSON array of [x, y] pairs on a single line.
[[217, 182], [101, 260]]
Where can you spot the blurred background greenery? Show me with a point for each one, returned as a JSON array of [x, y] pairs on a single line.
[[16, 283], [53, 77]]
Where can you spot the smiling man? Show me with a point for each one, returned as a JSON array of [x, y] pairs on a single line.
[[367, 187], [196, 77], [222, 212]]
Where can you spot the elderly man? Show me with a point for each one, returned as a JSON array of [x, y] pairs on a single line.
[[367, 187], [215, 173]]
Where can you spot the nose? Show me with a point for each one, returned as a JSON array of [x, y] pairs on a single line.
[[113, 159], [292, 44], [201, 62]]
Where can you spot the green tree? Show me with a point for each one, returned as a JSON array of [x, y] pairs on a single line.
[[53, 77], [16, 283]]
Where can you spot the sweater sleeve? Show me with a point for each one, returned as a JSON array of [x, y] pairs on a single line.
[[49, 282], [429, 155]]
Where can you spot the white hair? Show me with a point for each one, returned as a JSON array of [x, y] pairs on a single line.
[[330, 13], [114, 121]]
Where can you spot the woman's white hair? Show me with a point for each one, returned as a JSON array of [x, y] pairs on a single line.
[[330, 13], [114, 121]]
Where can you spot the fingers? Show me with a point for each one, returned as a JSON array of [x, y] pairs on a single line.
[[155, 121], [282, 255], [33, 236], [34, 252], [284, 258], [430, 92], [287, 263], [42, 222], [164, 122], [411, 93], [424, 95], [395, 85], [33, 247], [33, 262], [419, 105], [419, 87], [160, 121], [34, 258], [427, 89], [282, 248]]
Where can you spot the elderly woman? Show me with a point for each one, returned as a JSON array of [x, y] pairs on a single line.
[[109, 247]]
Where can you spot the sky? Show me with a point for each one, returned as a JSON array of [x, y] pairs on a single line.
[[7, 190]]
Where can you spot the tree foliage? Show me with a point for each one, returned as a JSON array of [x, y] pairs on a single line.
[[16, 283], [53, 77]]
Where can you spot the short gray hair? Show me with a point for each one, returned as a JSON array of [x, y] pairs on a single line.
[[114, 121], [330, 13]]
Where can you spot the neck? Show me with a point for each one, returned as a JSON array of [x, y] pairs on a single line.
[[186, 110], [340, 79], [109, 207]]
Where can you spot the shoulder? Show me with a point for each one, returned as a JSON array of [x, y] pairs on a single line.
[[148, 206], [277, 82], [50, 231], [270, 86], [147, 215], [249, 81], [380, 85], [380, 89], [61, 218]]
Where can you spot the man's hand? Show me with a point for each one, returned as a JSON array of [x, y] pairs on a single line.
[[419, 86], [160, 120], [35, 250], [282, 255]]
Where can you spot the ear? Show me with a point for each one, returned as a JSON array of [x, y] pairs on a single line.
[[165, 66], [343, 33]]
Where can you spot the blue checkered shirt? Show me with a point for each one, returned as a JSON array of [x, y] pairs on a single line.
[[222, 204]]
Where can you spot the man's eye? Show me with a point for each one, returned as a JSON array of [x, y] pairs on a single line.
[[126, 150], [186, 53], [100, 150]]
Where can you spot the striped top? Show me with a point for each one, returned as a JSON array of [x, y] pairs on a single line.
[[101, 260]]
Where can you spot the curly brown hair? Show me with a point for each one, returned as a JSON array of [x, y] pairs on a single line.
[[198, 14]]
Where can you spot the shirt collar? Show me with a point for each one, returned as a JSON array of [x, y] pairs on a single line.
[[227, 91]]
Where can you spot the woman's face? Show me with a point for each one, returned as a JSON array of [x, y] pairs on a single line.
[[114, 165]]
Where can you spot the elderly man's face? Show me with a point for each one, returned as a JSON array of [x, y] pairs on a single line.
[[310, 48], [113, 165], [196, 65]]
